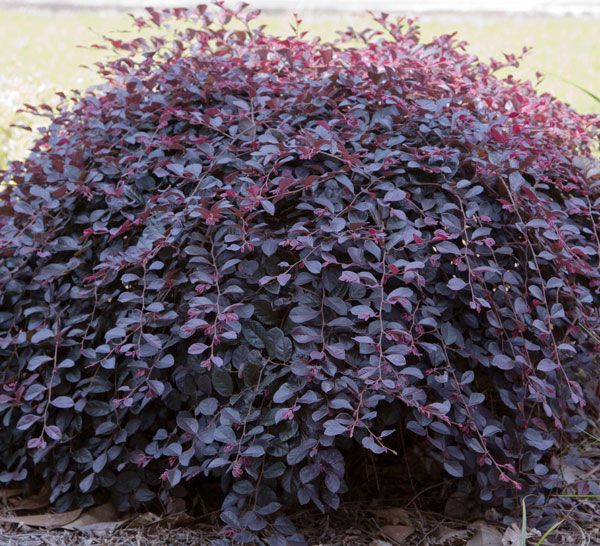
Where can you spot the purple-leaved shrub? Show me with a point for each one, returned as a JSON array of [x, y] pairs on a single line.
[[245, 254]]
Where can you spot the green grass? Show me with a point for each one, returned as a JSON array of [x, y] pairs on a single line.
[[40, 52]]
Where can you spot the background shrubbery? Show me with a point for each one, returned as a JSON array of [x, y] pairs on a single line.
[[247, 256]]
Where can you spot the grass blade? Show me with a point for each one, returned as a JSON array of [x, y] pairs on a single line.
[[523, 540], [549, 532], [583, 89]]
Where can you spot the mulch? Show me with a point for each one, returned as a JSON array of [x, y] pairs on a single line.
[[354, 524]]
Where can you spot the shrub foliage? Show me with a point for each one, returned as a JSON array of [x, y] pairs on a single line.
[[244, 256]]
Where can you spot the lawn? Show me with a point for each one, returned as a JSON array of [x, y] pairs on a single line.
[[41, 53]]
